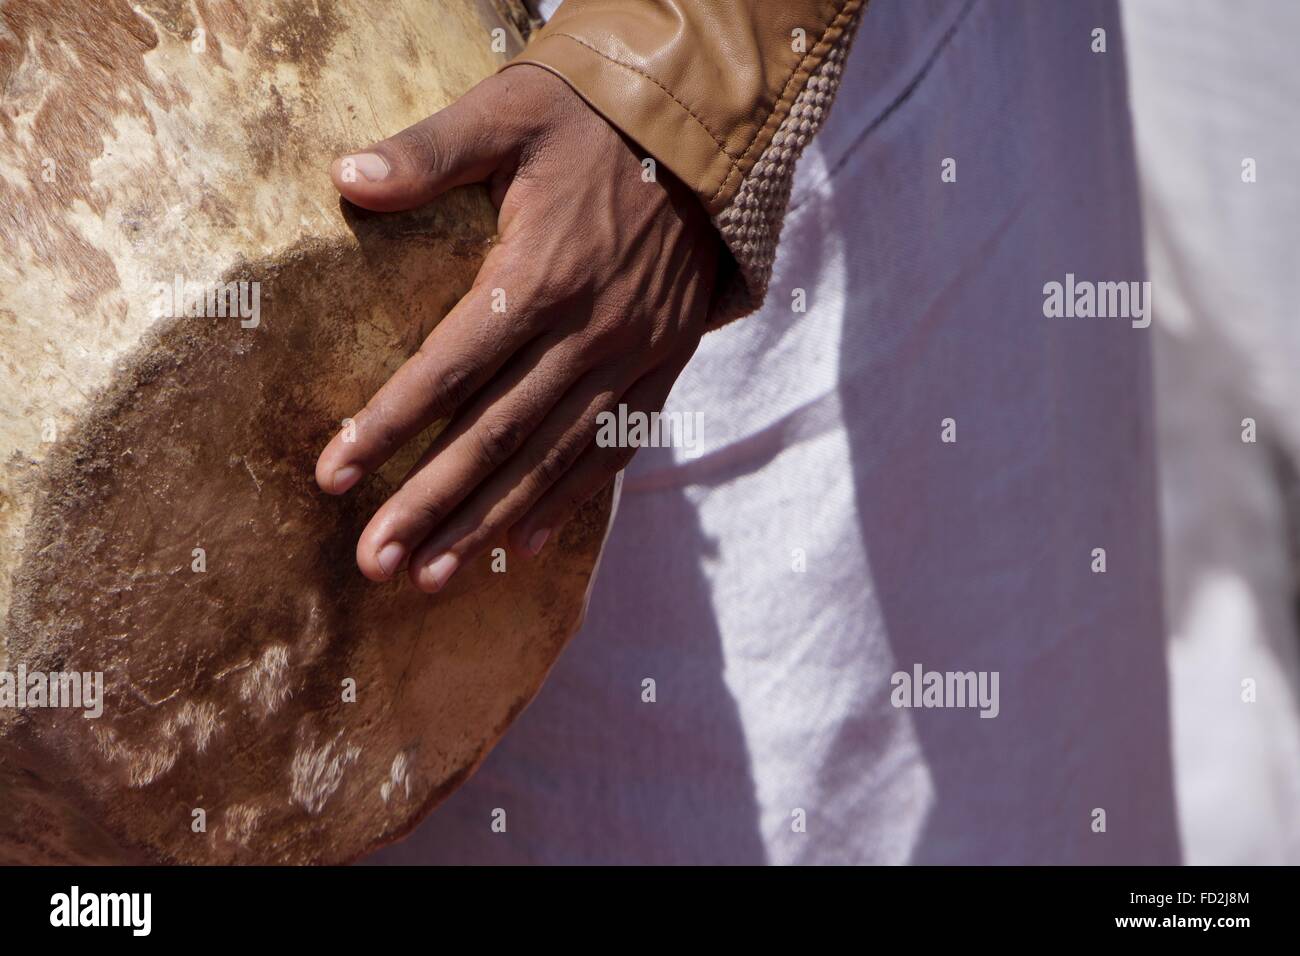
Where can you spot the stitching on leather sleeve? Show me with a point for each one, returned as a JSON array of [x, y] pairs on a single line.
[[842, 18], [690, 112]]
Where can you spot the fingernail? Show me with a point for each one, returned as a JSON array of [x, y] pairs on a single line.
[[390, 556], [371, 166], [436, 573], [537, 540], [345, 478]]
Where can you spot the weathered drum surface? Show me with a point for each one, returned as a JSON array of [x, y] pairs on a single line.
[[159, 522]]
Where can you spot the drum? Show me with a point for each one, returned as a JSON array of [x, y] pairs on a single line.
[[193, 670]]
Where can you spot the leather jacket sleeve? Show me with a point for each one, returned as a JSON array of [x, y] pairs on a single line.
[[725, 93]]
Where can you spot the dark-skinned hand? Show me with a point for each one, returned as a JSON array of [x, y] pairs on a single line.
[[607, 279]]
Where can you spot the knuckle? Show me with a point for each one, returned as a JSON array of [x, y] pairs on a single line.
[[377, 434], [496, 441], [448, 387], [387, 437], [536, 296], [564, 279], [419, 144], [428, 511], [551, 467], [475, 539], [453, 389]]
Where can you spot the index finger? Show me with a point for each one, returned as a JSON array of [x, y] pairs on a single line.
[[456, 359]]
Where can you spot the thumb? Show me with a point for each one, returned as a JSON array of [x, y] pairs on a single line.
[[453, 147]]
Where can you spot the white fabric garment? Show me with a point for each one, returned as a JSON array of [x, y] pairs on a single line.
[[772, 736], [1215, 84]]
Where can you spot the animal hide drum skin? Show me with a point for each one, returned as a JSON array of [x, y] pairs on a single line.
[[187, 314]]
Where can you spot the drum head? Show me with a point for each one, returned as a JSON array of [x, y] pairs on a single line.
[[261, 701]]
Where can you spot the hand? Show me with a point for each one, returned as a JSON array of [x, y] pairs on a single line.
[[607, 280]]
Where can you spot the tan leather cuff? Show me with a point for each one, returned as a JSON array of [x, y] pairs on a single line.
[[642, 108]]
